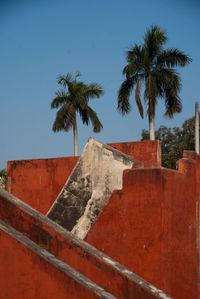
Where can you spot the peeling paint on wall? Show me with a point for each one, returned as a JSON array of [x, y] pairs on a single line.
[[97, 173]]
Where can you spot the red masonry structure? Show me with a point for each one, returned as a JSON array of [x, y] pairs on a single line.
[[151, 227], [38, 182]]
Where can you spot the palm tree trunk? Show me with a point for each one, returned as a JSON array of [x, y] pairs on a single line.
[[75, 137], [151, 127]]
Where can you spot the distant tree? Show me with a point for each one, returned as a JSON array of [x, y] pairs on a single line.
[[152, 67], [75, 99], [174, 141]]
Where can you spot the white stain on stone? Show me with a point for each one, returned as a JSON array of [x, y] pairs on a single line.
[[105, 171], [97, 173], [127, 272], [158, 292], [109, 261]]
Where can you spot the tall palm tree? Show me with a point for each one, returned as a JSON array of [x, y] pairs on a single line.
[[75, 99], [152, 68]]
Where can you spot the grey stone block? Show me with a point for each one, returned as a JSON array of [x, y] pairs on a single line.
[[97, 173]]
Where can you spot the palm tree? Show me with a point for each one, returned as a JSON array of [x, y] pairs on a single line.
[[75, 99], [152, 68]]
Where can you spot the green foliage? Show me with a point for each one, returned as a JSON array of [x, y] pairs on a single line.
[[74, 98], [174, 141], [151, 66], [3, 173]]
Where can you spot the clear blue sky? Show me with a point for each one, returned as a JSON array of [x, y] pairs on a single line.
[[41, 39]]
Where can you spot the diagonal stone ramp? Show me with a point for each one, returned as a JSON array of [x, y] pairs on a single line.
[[97, 173]]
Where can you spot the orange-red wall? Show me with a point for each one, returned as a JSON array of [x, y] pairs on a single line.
[[148, 152], [151, 227], [25, 275], [38, 182], [86, 261]]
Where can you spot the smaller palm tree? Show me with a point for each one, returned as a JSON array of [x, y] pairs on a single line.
[[72, 100], [152, 67]]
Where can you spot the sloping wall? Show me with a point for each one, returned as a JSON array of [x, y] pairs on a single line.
[[48, 236], [30, 272], [151, 226]]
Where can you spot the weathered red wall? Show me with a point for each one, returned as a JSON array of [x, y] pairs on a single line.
[[148, 152], [25, 275], [38, 182], [73, 251], [151, 227]]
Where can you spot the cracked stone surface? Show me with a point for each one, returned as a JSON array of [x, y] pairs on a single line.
[[97, 173]]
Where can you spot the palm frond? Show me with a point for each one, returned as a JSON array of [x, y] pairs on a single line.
[[64, 118], [172, 103], [151, 93], [155, 36], [93, 91], [136, 53], [60, 99], [96, 124], [84, 115], [168, 78], [154, 40], [137, 97], [125, 90], [170, 83], [135, 58], [70, 118], [172, 58], [65, 80]]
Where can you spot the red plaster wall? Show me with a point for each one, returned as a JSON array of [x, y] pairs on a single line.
[[83, 260], [148, 152], [25, 275], [151, 227], [38, 182]]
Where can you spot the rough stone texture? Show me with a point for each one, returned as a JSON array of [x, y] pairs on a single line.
[[2, 183], [97, 173]]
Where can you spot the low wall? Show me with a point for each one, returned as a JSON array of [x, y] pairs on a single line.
[[84, 258], [151, 226], [38, 182], [148, 152]]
